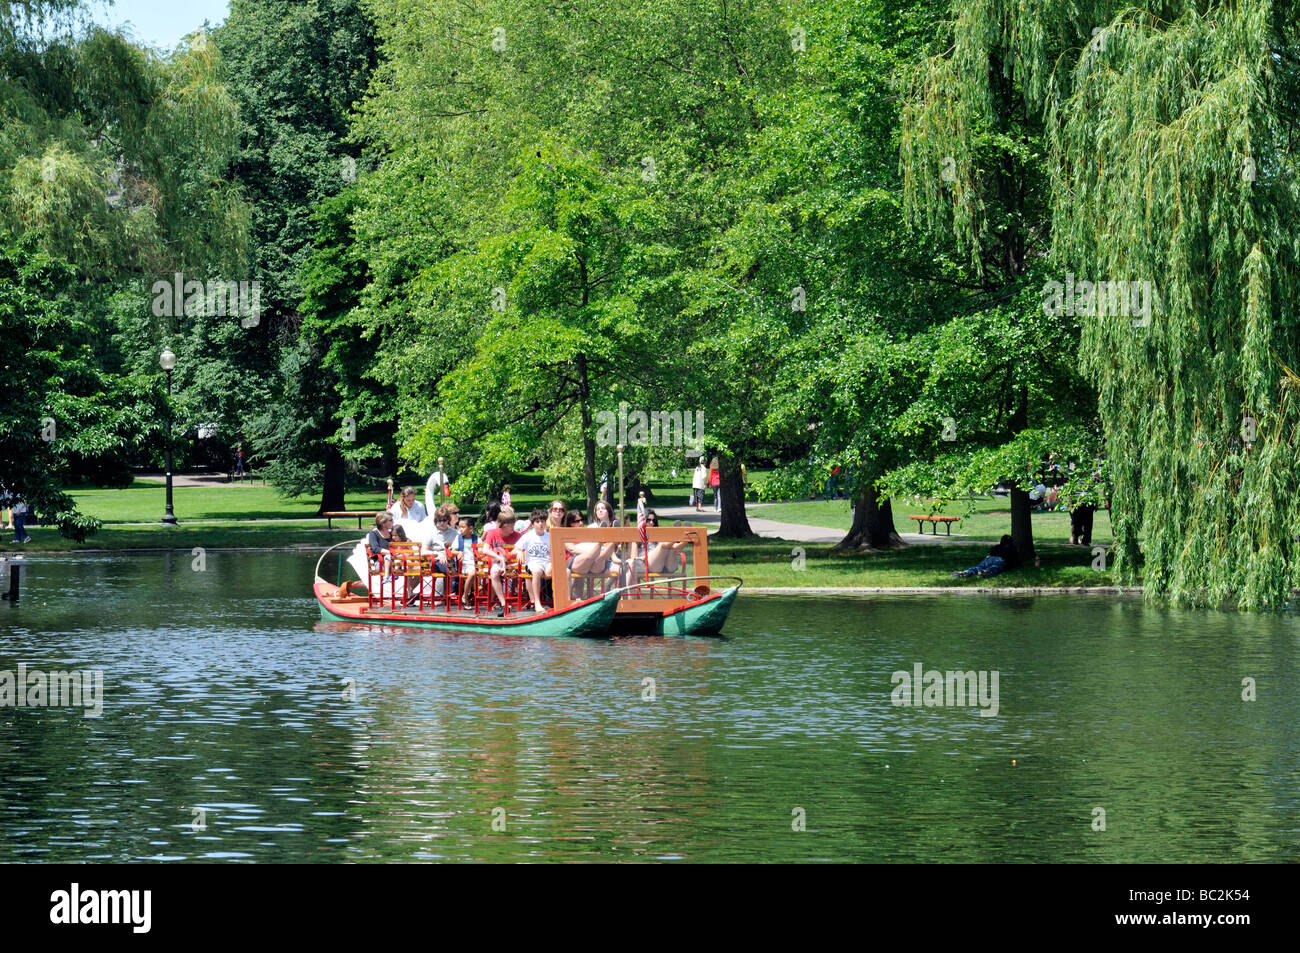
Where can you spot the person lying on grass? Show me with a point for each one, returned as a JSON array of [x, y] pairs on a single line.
[[1001, 558]]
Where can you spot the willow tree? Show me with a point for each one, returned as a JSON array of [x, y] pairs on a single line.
[[976, 185], [1177, 168]]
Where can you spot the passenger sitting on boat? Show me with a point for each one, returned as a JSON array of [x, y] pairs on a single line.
[[658, 555], [555, 515], [377, 540], [490, 517], [464, 545], [587, 558], [444, 533], [602, 514], [534, 548], [496, 543]]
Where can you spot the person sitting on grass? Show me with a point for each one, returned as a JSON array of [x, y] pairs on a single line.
[[534, 549], [1001, 558]]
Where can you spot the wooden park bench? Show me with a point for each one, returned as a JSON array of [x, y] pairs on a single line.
[[934, 521], [348, 514]]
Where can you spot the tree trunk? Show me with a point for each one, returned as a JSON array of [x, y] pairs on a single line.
[[634, 488], [588, 442], [1022, 519], [734, 523], [873, 522], [1022, 523], [336, 470]]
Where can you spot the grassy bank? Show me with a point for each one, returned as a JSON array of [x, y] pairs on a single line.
[[760, 562], [772, 562], [991, 518]]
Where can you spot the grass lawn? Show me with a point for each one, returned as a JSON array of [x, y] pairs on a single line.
[[769, 562], [221, 535], [992, 518], [145, 502], [760, 562]]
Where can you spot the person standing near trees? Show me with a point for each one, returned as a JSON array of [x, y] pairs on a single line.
[[19, 517], [437, 486], [699, 480], [715, 481]]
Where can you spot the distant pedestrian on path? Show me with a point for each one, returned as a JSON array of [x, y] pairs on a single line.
[[715, 481], [437, 487], [239, 460], [699, 480], [20, 517]]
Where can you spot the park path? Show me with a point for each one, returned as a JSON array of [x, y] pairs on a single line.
[[769, 529], [799, 532], [193, 479]]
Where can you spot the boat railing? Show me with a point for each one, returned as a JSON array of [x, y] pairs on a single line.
[[665, 587], [339, 574]]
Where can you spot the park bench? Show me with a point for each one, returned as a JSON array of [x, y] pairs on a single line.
[[934, 521], [330, 517]]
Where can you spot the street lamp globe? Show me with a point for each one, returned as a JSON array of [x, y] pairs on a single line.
[[167, 360]]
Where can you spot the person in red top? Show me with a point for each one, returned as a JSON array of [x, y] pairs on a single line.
[[498, 545]]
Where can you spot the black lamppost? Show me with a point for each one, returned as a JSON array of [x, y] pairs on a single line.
[[168, 362]]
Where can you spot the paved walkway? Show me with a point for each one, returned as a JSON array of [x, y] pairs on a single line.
[[195, 479], [772, 529]]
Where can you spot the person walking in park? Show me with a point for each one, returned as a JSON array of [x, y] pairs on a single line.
[[699, 480], [19, 511], [715, 481], [239, 461], [437, 487]]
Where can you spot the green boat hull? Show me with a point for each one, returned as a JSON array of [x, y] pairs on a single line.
[[707, 618], [585, 619]]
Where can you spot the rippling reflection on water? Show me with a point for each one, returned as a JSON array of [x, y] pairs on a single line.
[[300, 740]]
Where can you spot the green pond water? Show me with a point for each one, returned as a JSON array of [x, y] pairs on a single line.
[[238, 727]]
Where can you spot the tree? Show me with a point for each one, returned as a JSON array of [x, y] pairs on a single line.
[[48, 378], [1194, 171], [972, 151], [296, 70]]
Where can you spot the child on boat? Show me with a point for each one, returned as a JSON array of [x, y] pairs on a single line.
[[464, 545], [496, 542], [535, 550]]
